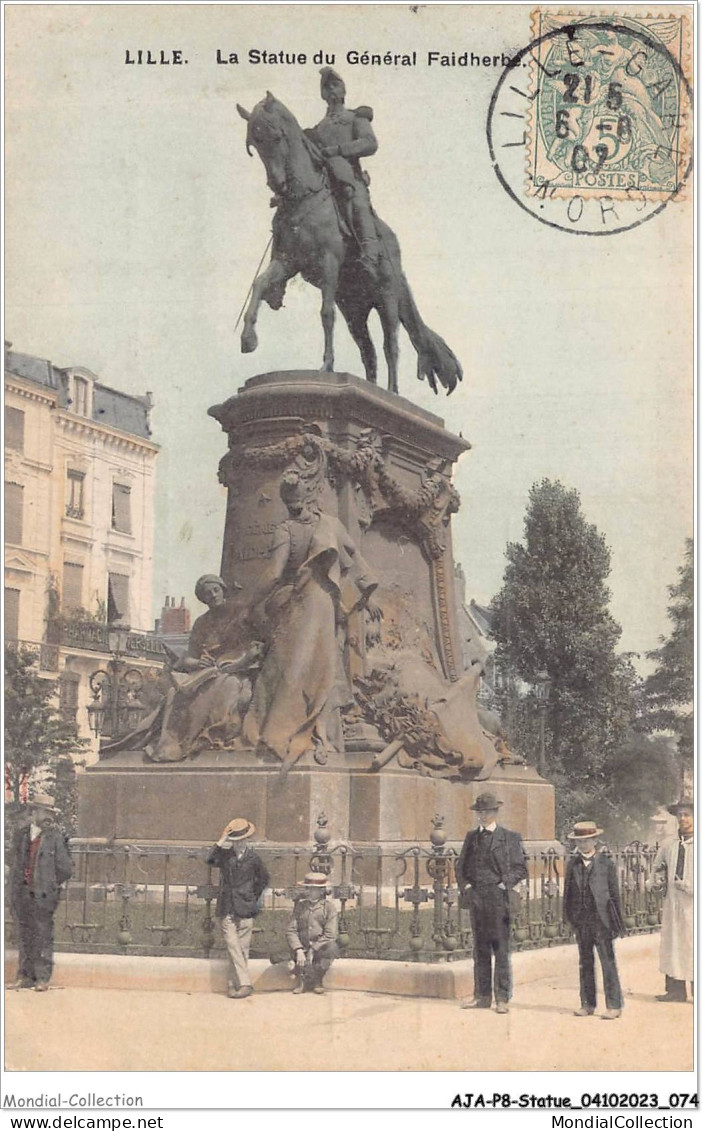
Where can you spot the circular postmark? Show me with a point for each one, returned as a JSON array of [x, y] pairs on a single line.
[[589, 127]]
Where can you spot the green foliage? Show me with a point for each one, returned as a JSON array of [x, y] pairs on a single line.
[[57, 617], [670, 689], [639, 774], [35, 734], [552, 616]]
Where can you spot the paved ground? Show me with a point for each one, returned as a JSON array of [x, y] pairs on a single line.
[[109, 1029]]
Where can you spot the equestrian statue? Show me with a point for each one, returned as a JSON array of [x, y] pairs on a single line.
[[326, 230]]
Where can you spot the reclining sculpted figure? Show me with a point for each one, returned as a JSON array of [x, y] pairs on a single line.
[[210, 685]]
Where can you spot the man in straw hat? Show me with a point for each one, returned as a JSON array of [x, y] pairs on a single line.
[[673, 870], [242, 879], [491, 863], [592, 906], [312, 933], [41, 862]]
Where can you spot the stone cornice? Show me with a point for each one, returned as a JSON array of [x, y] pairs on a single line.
[[81, 425], [14, 547], [77, 536], [70, 422], [30, 390], [135, 550], [309, 395], [17, 461]]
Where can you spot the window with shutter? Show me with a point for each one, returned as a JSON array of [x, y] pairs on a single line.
[[117, 597], [80, 396], [74, 504], [14, 428], [72, 586], [68, 695], [11, 606], [14, 496], [121, 512]]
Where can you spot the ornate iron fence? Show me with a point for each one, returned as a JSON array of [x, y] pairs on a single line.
[[404, 905]]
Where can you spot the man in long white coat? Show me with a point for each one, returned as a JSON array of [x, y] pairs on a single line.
[[673, 869]]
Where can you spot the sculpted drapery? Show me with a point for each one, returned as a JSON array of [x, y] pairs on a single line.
[[316, 579]]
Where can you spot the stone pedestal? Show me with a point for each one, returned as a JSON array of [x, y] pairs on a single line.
[[128, 799]]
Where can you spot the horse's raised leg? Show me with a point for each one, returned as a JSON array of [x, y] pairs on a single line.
[[275, 273], [390, 320], [330, 280]]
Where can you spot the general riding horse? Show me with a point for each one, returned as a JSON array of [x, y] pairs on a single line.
[[311, 239]]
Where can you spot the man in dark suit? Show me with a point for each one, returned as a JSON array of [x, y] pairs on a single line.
[[242, 879], [41, 862], [491, 863], [592, 906]]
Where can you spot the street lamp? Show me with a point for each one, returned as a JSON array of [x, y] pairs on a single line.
[[116, 707], [542, 688]]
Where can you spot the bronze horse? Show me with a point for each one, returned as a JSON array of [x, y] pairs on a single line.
[[311, 239]]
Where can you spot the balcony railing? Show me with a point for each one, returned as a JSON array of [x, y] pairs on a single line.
[[45, 655], [160, 899]]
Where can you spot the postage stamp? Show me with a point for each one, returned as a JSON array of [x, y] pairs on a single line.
[[611, 111]]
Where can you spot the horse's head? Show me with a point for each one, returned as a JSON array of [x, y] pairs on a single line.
[[280, 143]]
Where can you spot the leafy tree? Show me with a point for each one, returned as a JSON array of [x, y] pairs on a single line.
[[670, 689], [36, 736], [551, 618], [642, 774]]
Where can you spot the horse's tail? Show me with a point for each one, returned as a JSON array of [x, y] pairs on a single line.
[[435, 360]]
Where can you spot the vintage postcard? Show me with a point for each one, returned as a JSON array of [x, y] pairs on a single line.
[[348, 557]]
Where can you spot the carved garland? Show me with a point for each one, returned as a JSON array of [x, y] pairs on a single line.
[[430, 505]]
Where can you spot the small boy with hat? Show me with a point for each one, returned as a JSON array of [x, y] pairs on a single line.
[[312, 933], [592, 906], [242, 879], [41, 863], [491, 864]]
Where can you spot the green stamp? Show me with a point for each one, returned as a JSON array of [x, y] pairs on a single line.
[[610, 107]]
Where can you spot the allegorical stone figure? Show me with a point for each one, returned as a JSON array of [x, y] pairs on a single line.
[[312, 933], [315, 579], [674, 870], [491, 864], [344, 136], [41, 863], [210, 686], [592, 906], [243, 877]]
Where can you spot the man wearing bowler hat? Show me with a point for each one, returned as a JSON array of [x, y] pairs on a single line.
[[491, 863], [41, 862], [592, 906], [312, 933], [673, 871], [242, 879]]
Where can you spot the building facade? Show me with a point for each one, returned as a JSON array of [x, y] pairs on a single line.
[[79, 522]]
